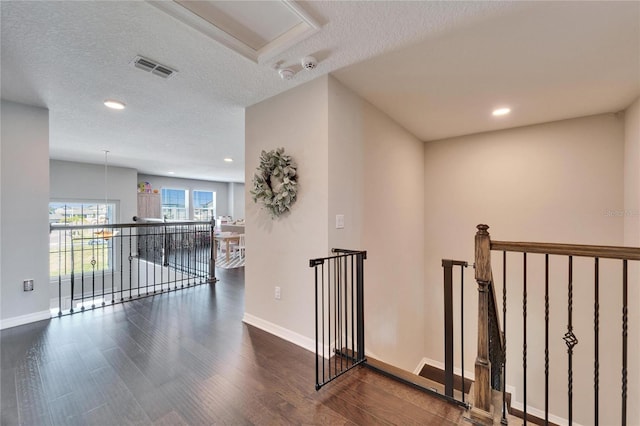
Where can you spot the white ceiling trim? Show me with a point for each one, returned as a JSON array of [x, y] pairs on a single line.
[[307, 26]]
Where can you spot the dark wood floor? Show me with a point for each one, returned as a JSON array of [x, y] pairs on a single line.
[[186, 358]]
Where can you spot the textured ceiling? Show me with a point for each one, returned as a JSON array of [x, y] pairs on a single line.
[[449, 65], [555, 61]]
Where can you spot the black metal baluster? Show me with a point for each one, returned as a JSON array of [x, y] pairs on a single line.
[[73, 269], [180, 234], [196, 251], [596, 349], [81, 259], [546, 339], [524, 335], [624, 339], [122, 265], [113, 268], [360, 290], [504, 338], [81, 275], [353, 347], [315, 271], [138, 255], [323, 331], [130, 263], [175, 258], [447, 266], [163, 259], [65, 243], [329, 314], [462, 326], [60, 278], [193, 253], [154, 252], [145, 238], [94, 262], [345, 313], [571, 340], [102, 244], [337, 278], [336, 313]]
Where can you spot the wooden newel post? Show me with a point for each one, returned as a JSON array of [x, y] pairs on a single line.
[[483, 277]]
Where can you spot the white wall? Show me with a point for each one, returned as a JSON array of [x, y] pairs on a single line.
[[632, 175], [353, 160], [376, 179], [632, 233], [24, 231], [220, 188], [278, 250], [553, 182], [236, 200], [70, 181]]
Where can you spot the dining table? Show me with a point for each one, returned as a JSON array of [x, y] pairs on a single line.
[[226, 238]]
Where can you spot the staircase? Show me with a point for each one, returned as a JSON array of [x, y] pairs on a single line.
[[434, 377]]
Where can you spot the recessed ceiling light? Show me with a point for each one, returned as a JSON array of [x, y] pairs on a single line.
[[228, 160], [113, 104], [501, 111], [171, 173]]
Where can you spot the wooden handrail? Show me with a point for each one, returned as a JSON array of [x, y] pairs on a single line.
[[484, 367], [603, 252]]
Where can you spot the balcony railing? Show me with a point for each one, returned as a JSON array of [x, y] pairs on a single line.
[[99, 265]]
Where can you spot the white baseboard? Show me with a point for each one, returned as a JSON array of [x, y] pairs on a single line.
[[518, 405], [291, 336], [25, 319], [284, 333]]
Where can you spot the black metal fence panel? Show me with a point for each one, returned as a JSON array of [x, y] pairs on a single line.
[[99, 265]]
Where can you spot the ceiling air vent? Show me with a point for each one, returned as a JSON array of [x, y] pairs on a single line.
[[153, 67]]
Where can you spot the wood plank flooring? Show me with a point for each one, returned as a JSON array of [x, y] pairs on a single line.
[[186, 358]]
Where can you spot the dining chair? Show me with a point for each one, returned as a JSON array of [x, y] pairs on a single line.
[[241, 247]]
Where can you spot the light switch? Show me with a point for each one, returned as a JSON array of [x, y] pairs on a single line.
[[339, 221]]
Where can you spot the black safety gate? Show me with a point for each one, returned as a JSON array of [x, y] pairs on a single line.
[[339, 312]]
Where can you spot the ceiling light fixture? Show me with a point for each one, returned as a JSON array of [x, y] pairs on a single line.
[[171, 173], [501, 111], [113, 104], [228, 160]]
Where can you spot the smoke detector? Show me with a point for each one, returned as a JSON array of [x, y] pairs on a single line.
[[286, 73], [309, 63]]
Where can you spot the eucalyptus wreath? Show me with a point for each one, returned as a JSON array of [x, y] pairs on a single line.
[[275, 182]]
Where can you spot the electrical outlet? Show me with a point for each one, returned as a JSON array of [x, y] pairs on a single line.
[[277, 293], [339, 221], [27, 285]]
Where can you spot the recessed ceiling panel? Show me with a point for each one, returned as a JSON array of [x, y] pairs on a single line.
[[257, 30], [256, 23]]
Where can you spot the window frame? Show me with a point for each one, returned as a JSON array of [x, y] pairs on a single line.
[[185, 208], [109, 265], [212, 214]]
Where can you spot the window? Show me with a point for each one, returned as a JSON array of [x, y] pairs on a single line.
[[174, 204], [204, 205], [88, 251]]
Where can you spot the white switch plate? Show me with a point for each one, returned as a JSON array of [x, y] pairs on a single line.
[[339, 221], [277, 293]]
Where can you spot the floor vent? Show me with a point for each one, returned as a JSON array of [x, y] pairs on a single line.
[[153, 67]]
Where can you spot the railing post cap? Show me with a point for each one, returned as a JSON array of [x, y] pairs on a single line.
[[482, 229]]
